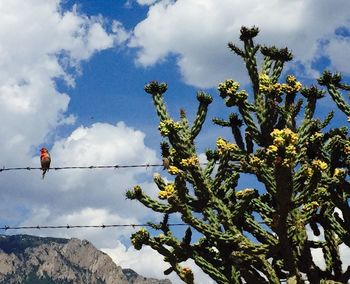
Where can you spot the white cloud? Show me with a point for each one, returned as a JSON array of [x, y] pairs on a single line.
[[339, 60], [197, 32], [146, 2], [37, 41], [146, 262], [87, 216], [122, 35], [344, 252], [103, 143], [149, 263]]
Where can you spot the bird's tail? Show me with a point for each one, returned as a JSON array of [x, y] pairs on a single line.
[[44, 172]]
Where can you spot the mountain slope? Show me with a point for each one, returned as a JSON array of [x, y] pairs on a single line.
[[34, 260]]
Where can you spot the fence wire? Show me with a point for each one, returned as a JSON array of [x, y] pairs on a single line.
[[3, 169], [38, 227]]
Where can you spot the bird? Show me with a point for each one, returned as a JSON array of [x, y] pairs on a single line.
[[45, 160], [166, 163]]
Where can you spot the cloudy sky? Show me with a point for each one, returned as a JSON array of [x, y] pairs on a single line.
[[71, 79]]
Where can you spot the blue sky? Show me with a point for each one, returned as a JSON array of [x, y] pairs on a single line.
[[72, 75]]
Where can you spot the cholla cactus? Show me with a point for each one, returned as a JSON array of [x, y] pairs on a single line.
[[262, 235]]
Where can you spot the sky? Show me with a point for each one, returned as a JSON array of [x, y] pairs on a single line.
[[72, 75]]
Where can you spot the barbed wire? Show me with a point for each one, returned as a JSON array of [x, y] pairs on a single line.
[[82, 167], [3, 169], [38, 227]]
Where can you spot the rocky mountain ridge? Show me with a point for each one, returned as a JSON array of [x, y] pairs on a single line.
[[35, 260]]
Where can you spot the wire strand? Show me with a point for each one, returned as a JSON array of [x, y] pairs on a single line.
[[82, 167], [3, 169], [83, 226]]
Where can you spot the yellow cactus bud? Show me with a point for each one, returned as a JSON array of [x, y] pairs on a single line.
[[319, 165], [339, 173], [311, 206], [293, 85], [277, 88], [224, 146], [317, 136], [276, 133], [228, 87], [137, 189], [190, 162], [143, 232], [244, 192], [287, 162], [173, 170], [290, 150], [264, 83], [291, 79], [278, 141], [272, 149], [309, 172], [166, 125], [168, 191], [255, 161], [221, 143], [282, 136]]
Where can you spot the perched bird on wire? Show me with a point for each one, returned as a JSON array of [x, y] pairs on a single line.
[[45, 160], [166, 163]]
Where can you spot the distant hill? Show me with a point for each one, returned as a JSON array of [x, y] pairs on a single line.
[[28, 259]]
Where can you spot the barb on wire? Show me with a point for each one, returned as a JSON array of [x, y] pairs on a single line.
[[82, 226]]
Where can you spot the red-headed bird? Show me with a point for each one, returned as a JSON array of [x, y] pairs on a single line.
[[45, 160]]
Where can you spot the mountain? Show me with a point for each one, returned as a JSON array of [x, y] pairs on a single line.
[[28, 259]]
